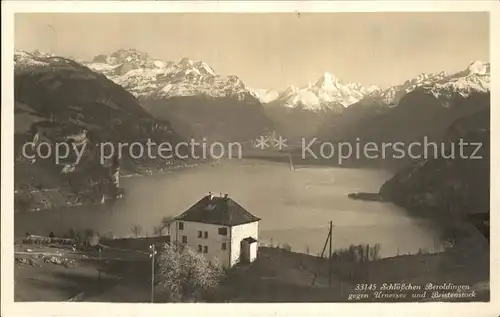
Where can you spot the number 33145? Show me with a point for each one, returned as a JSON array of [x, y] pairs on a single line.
[[365, 287]]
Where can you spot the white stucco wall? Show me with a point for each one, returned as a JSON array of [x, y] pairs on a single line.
[[253, 251], [239, 233], [213, 242]]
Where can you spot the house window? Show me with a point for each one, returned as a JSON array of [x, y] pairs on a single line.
[[223, 231], [199, 234], [184, 239], [199, 248], [224, 246], [181, 225], [205, 249], [206, 235]]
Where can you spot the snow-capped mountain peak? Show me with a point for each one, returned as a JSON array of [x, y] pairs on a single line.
[[205, 67], [327, 82], [145, 76], [479, 68], [186, 62], [475, 78], [325, 93]]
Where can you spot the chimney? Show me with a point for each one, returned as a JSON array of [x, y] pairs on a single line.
[[209, 195], [225, 196]]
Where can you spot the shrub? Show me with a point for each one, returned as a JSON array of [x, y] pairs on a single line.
[[185, 275], [358, 253]]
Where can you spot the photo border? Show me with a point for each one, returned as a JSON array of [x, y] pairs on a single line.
[[11, 308]]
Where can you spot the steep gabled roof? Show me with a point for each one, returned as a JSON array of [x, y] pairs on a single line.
[[218, 210]]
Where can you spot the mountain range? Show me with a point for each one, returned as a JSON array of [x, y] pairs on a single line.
[[329, 91], [325, 93], [197, 101], [131, 96], [422, 106], [201, 103], [145, 76]]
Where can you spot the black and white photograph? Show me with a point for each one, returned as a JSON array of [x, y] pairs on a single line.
[[250, 157]]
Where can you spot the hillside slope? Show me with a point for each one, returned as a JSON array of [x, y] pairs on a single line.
[[58, 100], [458, 187]]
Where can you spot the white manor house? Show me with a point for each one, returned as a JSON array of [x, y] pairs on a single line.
[[217, 226]]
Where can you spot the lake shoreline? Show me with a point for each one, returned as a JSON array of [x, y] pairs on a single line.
[[295, 205]]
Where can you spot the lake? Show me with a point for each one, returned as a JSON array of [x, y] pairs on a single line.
[[295, 206]]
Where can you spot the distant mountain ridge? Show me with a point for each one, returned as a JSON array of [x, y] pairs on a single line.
[[145, 76], [197, 101], [329, 91], [422, 106], [201, 103], [325, 93], [475, 78]]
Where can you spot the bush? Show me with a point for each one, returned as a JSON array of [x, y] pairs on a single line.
[[185, 275], [358, 253]]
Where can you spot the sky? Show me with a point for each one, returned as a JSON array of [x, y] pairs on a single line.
[[274, 50]]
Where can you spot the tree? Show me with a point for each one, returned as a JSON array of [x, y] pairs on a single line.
[[93, 241], [136, 230], [166, 222], [185, 275], [157, 230], [88, 233]]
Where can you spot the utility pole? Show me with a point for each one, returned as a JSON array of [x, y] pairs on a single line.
[[152, 256], [328, 239], [330, 257], [100, 262]]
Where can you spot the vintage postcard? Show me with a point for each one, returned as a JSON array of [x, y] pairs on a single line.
[[246, 153]]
